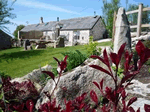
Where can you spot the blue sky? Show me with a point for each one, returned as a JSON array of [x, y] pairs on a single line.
[[30, 11]]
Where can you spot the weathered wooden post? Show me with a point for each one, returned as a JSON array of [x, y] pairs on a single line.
[[18, 35], [139, 22]]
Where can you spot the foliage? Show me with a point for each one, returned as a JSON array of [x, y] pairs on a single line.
[[5, 13], [133, 17], [108, 13], [114, 96], [114, 100], [91, 48], [74, 59], [15, 94], [16, 31], [119, 72]]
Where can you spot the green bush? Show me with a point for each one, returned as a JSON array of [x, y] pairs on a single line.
[[120, 71], [91, 47], [74, 59]]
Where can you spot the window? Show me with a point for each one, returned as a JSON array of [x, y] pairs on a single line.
[[82, 38], [78, 38]]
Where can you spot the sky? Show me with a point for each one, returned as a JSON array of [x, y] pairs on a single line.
[[29, 11]]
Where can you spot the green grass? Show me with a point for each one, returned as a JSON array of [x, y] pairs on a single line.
[[16, 62], [105, 43]]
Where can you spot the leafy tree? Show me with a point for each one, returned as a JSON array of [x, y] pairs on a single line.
[[108, 13], [5, 13], [133, 17], [17, 29]]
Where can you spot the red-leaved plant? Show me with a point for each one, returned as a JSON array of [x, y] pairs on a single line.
[[16, 95], [118, 95], [113, 99]]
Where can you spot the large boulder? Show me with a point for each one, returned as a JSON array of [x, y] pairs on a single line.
[[122, 31], [75, 83], [35, 76]]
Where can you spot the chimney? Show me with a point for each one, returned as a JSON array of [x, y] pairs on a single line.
[[94, 13], [41, 20], [57, 19]]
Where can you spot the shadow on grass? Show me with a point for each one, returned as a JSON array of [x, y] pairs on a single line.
[[20, 55]]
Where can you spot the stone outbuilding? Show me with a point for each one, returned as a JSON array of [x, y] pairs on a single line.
[[5, 40], [75, 30]]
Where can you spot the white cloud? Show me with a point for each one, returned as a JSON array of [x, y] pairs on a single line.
[[133, 2], [42, 5]]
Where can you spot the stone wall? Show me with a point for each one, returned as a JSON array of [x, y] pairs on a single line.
[[84, 36], [51, 35], [98, 30], [69, 36], [5, 40]]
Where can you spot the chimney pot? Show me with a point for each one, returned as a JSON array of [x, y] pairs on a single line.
[[41, 20], [57, 19]]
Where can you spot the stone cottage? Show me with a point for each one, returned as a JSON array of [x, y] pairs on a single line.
[[5, 40], [75, 30]]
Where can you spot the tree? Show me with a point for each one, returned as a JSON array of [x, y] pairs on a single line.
[[108, 13], [16, 31], [133, 17], [5, 13]]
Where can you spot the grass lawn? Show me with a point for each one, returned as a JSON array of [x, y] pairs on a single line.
[[16, 62], [105, 43]]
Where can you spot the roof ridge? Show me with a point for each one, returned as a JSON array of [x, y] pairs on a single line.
[[79, 17]]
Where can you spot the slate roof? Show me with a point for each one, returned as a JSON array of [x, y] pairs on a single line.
[[68, 24]]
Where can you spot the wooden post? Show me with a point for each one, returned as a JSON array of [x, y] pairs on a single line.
[[114, 22], [139, 20], [18, 35]]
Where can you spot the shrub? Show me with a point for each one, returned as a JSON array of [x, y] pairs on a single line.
[[74, 59], [114, 100], [14, 93], [91, 48]]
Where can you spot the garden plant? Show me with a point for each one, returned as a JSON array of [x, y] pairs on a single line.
[[113, 100]]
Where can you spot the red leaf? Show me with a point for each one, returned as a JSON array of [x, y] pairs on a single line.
[[138, 110], [63, 65], [68, 107], [121, 50], [65, 59], [95, 56], [101, 83], [106, 60], [131, 109], [101, 69], [132, 100], [94, 96], [129, 75], [128, 60], [57, 60], [113, 57], [96, 84], [50, 74], [19, 107], [147, 108], [30, 105], [140, 47]]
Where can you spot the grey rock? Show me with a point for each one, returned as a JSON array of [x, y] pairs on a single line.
[[34, 76], [76, 82], [122, 31]]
